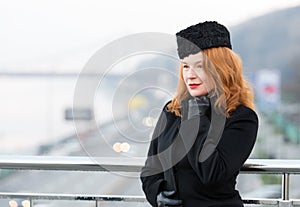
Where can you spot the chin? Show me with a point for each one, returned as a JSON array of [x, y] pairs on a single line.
[[194, 94]]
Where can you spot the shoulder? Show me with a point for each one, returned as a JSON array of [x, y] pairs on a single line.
[[167, 113], [243, 113], [242, 123], [165, 108], [165, 121]]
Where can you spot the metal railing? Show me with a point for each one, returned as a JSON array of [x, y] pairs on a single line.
[[252, 166]]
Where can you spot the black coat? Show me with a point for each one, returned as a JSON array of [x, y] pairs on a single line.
[[174, 165]]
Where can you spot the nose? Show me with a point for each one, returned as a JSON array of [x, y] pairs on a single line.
[[191, 73]]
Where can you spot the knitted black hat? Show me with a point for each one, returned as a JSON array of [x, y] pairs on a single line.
[[202, 36]]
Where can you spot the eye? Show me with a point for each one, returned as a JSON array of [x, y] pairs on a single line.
[[185, 67]]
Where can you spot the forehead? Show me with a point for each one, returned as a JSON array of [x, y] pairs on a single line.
[[193, 58]]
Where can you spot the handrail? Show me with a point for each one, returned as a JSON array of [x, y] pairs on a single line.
[[53, 196], [71, 163], [274, 166], [127, 164]]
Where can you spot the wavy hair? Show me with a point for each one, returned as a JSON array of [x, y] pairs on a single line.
[[229, 86]]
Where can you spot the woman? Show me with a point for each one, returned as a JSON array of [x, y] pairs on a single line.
[[207, 132]]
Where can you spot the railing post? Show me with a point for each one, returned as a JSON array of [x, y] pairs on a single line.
[[286, 186], [285, 202]]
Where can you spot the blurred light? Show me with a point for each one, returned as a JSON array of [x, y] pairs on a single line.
[[117, 147], [121, 147], [13, 203], [149, 121], [26, 203], [125, 147], [136, 102]]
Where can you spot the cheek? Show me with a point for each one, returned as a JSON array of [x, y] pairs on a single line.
[[208, 85], [203, 76], [184, 77]]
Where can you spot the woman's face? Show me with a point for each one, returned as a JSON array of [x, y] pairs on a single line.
[[194, 75]]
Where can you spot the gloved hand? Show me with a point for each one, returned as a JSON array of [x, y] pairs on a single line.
[[198, 106], [163, 199]]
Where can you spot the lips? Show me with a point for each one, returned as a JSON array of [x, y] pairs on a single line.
[[194, 85]]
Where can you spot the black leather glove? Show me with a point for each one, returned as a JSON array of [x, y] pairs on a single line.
[[163, 199], [198, 106]]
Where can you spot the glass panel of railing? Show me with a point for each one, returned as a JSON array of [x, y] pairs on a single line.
[[294, 187], [41, 181], [262, 186], [259, 205], [55, 203], [122, 204]]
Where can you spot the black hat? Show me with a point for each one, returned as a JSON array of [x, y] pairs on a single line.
[[202, 36]]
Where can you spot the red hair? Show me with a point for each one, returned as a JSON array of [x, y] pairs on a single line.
[[224, 69]]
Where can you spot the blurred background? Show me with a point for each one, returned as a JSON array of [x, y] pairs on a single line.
[[45, 45]]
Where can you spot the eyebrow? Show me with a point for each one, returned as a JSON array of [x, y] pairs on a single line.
[[193, 63]]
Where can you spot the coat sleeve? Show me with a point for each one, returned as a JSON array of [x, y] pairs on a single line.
[[152, 175], [232, 150]]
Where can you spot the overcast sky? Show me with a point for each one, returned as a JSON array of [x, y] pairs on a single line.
[[63, 34]]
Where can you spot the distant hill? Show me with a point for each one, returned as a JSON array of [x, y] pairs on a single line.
[[272, 41]]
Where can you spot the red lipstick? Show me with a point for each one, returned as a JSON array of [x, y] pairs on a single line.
[[193, 85]]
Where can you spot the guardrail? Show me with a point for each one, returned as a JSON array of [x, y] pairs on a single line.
[[252, 166]]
